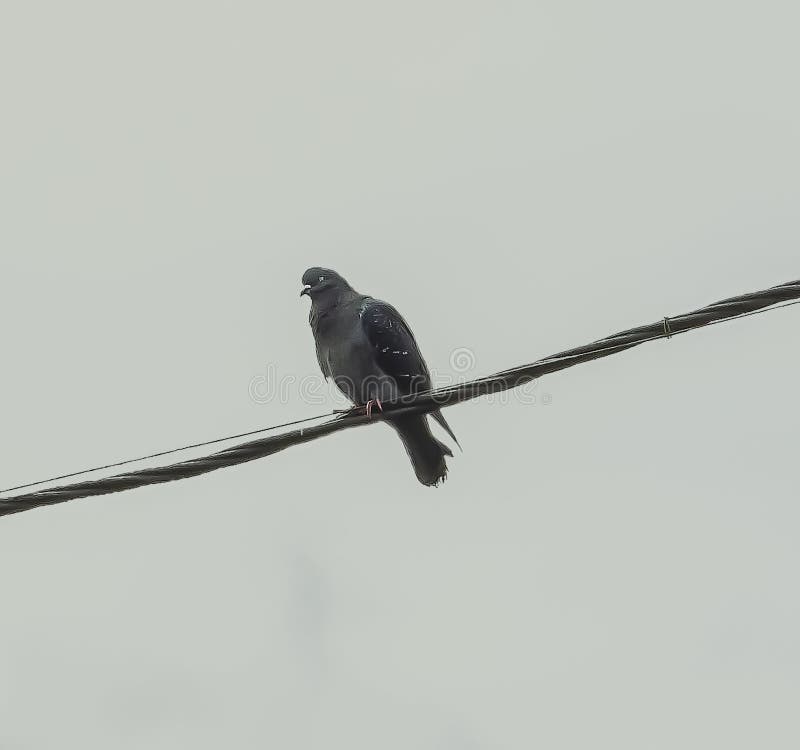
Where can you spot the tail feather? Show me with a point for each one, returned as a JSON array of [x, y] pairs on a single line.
[[439, 417], [425, 451]]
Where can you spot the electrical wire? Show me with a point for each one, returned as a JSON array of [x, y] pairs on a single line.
[[733, 308]]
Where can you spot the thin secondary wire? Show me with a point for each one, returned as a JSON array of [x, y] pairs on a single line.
[[610, 348], [168, 452], [670, 334]]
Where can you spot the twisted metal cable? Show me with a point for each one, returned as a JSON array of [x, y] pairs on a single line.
[[159, 454], [727, 309]]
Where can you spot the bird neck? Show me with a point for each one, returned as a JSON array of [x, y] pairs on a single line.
[[330, 304], [335, 298]]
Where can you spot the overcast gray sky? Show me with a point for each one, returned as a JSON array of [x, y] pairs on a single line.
[[616, 568]]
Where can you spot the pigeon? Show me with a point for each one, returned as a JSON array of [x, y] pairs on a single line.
[[368, 350]]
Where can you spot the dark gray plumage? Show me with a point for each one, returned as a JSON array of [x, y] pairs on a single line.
[[368, 350]]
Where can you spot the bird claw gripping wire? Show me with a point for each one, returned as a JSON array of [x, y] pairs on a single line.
[[362, 409]]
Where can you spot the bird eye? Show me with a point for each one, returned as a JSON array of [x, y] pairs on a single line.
[[322, 278]]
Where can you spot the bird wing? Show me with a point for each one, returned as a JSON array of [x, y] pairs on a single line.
[[394, 347], [396, 351]]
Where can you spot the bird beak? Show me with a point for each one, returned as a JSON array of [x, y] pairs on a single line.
[[306, 290]]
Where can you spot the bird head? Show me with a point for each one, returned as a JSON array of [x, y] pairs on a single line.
[[319, 283]]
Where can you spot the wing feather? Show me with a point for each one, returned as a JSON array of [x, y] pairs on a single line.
[[395, 347], [396, 351]]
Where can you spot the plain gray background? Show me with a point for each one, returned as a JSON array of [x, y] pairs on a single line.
[[614, 569]]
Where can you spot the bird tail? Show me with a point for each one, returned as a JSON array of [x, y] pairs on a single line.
[[425, 451]]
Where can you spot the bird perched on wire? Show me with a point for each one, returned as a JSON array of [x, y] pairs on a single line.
[[368, 350]]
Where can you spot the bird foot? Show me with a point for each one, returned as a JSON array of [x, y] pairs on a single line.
[[369, 406]]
